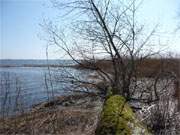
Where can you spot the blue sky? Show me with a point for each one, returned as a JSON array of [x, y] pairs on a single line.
[[20, 30]]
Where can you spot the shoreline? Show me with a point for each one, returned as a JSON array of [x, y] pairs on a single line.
[[72, 114], [55, 66]]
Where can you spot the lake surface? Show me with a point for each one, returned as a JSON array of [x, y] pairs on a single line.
[[24, 63], [22, 87]]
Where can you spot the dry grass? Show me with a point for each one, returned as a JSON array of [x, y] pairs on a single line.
[[151, 67], [145, 68], [70, 115]]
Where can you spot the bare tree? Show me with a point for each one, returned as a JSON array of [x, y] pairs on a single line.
[[106, 33]]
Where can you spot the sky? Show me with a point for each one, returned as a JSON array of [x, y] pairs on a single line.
[[21, 34]]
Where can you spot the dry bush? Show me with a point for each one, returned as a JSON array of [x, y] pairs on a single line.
[[162, 117]]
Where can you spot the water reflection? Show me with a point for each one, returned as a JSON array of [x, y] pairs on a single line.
[[22, 87]]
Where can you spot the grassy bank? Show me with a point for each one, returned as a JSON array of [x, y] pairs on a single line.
[[73, 114]]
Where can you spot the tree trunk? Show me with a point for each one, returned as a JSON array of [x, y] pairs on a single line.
[[177, 86], [178, 89]]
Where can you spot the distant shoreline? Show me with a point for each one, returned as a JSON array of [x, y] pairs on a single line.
[[35, 65]]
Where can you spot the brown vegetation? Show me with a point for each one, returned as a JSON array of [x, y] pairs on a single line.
[[74, 114], [146, 67]]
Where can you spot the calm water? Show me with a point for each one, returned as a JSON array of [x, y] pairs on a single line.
[[26, 86], [34, 62]]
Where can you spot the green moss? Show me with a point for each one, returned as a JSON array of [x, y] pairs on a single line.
[[109, 93], [117, 118]]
